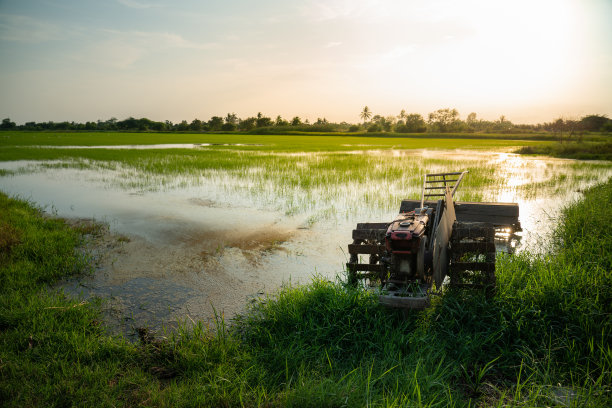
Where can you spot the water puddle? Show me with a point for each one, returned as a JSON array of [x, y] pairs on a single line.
[[188, 244]]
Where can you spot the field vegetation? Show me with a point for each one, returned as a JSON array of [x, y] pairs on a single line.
[[543, 340], [295, 141], [321, 176], [578, 150]]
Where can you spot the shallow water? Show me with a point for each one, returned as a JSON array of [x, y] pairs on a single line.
[[210, 242]]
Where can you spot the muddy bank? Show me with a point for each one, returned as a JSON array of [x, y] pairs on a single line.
[[190, 277]]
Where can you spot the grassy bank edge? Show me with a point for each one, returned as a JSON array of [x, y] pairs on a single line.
[[544, 340]]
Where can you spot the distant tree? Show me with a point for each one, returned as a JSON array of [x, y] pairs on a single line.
[[7, 124], [231, 118], [366, 114], [263, 121], [413, 123], [215, 123], [594, 123], [280, 121], [353, 128], [127, 124], [321, 121], [502, 125], [182, 126], [402, 115], [444, 120], [374, 127], [296, 121], [388, 123], [196, 125], [228, 127], [247, 124], [110, 124], [378, 119], [471, 119]]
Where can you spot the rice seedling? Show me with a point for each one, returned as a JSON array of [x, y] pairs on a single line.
[[543, 340]]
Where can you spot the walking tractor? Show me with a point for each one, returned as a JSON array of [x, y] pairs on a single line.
[[429, 240]]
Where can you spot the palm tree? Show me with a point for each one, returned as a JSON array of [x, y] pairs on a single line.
[[402, 115], [366, 114]]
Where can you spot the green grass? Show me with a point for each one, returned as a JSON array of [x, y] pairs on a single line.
[[544, 336], [281, 143], [322, 177], [572, 150]]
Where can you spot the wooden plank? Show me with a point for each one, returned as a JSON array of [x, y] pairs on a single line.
[[365, 249], [372, 234], [474, 230], [372, 225], [366, 267], [441, 181], [479, 247], [498, 214]]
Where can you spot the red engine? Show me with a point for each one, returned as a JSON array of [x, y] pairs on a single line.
[[406, 240]]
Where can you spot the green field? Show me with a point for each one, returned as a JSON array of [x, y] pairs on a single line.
[[328, 174], [324, 142], [543, 340]]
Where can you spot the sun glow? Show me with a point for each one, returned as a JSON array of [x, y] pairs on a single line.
[[531, 61]]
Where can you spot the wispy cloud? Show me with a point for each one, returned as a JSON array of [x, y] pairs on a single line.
[[324, 10], [27, 29], [137, 4], [159, 40], [122, 49], [333, 44]]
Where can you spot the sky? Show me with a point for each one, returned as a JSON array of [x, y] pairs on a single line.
[[83, 60]]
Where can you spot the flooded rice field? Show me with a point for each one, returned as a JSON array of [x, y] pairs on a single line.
[[190, 236]]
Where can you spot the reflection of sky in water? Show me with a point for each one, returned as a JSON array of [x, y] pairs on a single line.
[[541, 186], [171, 210]]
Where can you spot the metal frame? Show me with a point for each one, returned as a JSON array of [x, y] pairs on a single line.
[[433, 178]]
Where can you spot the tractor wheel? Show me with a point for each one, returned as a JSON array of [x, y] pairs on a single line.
[[472, 256]]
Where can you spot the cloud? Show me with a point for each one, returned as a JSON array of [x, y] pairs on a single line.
[[333, 44], [177, 41], [27, 29], [319, 10], [151, 39], [112, 53], [121, 49], [137, 4]]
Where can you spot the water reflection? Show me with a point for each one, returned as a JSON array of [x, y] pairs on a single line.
[[207, 237]]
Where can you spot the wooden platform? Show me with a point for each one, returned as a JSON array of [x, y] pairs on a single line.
[[498, 214]]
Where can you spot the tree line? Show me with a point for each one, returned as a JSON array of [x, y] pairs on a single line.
[[441, 121]]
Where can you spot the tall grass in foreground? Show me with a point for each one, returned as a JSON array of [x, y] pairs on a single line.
[[544, 340]]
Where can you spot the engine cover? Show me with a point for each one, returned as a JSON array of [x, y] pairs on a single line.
[[404, 238]]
